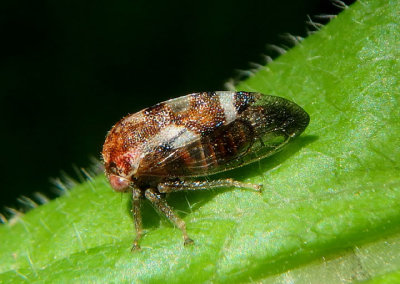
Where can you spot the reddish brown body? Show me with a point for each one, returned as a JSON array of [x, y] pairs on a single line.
[[197, 135]]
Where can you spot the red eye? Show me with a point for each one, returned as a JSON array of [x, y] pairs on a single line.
[[118, 183]]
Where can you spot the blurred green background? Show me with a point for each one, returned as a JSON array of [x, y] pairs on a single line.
[[70, 69]]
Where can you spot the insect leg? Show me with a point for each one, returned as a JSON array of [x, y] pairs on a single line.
[[172, 186], [160, 204], [137, 216]]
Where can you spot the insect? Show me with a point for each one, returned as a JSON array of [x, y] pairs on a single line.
[[164, 148]]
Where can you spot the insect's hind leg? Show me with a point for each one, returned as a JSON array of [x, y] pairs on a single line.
[[161, 205], [181, 185]]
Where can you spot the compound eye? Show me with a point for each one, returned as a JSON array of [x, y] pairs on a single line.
[[118, 183], [112, 167]]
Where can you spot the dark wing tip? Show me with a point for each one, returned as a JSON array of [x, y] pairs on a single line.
[[286, 115]]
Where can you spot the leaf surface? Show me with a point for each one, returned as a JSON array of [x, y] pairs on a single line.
[[330, 209]]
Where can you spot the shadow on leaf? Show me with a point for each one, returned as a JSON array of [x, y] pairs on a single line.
[[185, 203]]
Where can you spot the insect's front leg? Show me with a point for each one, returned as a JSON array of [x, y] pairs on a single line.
[[161, 205], [181, 185], [137, 216]]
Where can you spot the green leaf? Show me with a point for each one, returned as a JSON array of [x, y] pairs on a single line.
[[330, 209], [393, 277]]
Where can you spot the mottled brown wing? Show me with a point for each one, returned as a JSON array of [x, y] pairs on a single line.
[[229, 147], [260, 130]]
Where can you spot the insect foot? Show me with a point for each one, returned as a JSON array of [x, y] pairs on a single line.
[[135, 247], [188, 242]]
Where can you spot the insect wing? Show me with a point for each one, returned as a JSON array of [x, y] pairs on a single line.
[[262, 129], [217, 153]]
